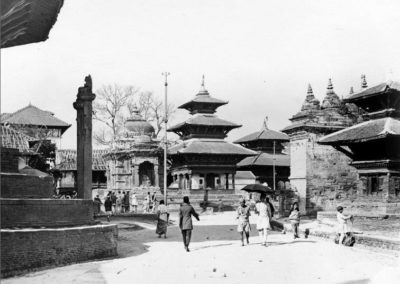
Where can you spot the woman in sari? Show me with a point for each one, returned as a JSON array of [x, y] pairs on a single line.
[[162, 220]]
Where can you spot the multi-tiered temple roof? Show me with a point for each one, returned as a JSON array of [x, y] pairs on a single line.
[[375, 142], [203, 147]]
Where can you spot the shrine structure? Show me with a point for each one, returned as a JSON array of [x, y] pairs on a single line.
[[135, 162], [373, 147], [319, 175], [204, 161]]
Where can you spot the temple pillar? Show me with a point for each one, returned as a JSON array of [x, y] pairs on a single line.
[[83, 106], [190, 181], [226, 181], [156, 176], [136, 175], [233, 181]]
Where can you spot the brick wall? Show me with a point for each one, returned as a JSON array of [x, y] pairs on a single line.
[[9, 160], [14, 185], [45, 212], [24, 250], [330, 178]]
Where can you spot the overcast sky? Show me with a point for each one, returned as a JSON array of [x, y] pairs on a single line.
[[258, 55]]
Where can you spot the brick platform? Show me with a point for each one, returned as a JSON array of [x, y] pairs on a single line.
[[27, 249], [45, 212]]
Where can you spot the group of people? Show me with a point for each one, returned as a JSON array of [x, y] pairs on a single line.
[[150, 203], [264, 211], [58, 195], [115, 203]]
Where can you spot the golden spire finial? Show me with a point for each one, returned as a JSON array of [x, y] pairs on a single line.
[[363, 81]]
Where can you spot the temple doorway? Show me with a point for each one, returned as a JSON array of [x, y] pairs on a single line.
[[146, 174], [210, 181]]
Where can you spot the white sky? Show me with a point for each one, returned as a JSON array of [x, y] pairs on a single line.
[[258, 55]]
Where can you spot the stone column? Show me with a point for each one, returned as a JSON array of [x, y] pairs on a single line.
[[156, 176], [83, 106], [136, 175]]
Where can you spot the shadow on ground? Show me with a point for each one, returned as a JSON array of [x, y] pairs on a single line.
[[133, 239]]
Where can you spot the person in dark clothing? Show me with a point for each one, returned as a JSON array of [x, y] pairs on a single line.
[[126, 202], [186, 211], [97, 202], [108, 206], [114, 202]]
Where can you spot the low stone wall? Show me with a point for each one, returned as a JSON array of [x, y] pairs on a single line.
[[45, 212], [15, 185], [331, 215], [28, 249], [9, 160]]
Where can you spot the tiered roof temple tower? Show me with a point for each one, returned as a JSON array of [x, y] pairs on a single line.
[[204, 160]]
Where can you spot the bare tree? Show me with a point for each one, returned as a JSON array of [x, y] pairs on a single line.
[[152, 109], [110, 109]]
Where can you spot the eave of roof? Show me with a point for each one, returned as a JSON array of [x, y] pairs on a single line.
[[209, 146], [265, 134], [28, 21], [266, 159], [365, 131], [375, 91], [206, 120], [201, 99]]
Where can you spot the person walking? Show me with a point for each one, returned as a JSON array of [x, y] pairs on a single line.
[[134, 202], [263, 211], [98, 203], [186, 211], [243, 215], [342, 220], [162, 219], [126, 202], [294, 218], [146, 203], [114, 202], [108, 206], [153, 202]]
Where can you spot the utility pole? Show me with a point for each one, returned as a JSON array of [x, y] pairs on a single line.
[[165, 74], [273, 166]]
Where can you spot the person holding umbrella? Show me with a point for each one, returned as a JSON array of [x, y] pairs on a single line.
[[264, 216]]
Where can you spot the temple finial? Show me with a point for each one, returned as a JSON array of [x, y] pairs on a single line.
[[363, 81], [203, 88], [309, 89], [351, 90], [329, 89], [265, 123]]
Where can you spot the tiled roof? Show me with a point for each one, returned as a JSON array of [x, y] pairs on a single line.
[[209, 146], [266, 159], [205, 119], [66, 160], [204, 99], [375, 90], [32, 115], [265, 134], [11, 138], [365, 131], [27, 21]]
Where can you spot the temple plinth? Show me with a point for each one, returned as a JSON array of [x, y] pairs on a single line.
[[83, 106]]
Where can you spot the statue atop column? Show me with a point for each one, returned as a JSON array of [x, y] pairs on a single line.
[[83, 106]]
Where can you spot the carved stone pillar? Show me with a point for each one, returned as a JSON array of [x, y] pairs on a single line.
[[83, 106], [156, 176], [136, 175]]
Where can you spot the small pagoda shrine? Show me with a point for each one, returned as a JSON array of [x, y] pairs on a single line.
[[270, 159], [204, 160], [373, 146]]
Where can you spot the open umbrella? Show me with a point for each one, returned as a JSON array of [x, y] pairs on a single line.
[[258, 188]]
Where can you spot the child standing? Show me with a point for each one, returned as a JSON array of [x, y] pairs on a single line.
[[294, 218]]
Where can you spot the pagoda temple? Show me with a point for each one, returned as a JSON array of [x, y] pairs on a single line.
[[319, 174], [204, 160], [373, 146], [270, 159]]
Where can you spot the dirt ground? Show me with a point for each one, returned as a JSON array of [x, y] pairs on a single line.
[[216, 256]]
